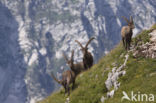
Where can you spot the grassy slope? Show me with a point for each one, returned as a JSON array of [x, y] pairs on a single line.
[[90, 85]]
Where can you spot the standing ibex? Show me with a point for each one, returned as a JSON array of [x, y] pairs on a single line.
[[77, 67], [87, 56], [68, 77], [127, 32]]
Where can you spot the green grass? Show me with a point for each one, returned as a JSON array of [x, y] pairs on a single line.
[[90, 85], [143, 36], [154, 26], [137, 79]]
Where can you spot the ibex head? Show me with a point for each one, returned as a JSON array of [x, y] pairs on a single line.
[[70, 61], [84, 49], [130, 23]]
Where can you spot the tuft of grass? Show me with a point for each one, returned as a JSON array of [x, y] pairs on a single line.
[[57, 97], [154, 26], [143, 36]]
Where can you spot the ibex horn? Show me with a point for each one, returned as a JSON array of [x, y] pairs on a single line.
[[89, 42]]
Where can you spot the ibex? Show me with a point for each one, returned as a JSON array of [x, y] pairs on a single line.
[[75, 67], [68, 77], [127, 32], [87, 56]]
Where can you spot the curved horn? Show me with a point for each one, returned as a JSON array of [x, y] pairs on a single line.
[[58, 81], [79, 44], [72, 56], [89, 41], [72, 59], [65, 57], [125, 19], [131, 19]]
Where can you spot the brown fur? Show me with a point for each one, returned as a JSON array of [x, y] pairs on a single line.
[[77, 67], [127, 32], [87, 56], [68, 77]]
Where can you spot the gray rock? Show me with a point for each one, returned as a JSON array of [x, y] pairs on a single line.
[[113, 76], [103, 99]]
